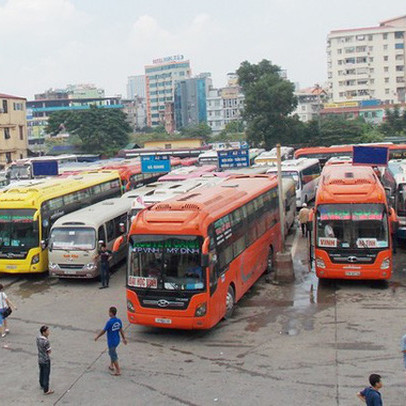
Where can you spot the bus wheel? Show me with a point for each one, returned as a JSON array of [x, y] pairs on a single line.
[[230, 298], [269, 261]]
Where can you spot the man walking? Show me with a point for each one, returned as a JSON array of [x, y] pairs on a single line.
[[403, 344], [104, 255], [114, 327], [303, 217], [44, 361], [371, 395]]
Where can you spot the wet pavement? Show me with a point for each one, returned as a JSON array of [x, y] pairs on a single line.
[[300, 344]]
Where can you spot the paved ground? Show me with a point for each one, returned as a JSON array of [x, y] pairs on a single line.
[[301, 344]]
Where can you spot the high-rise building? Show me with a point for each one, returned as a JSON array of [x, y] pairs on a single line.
[[368, 63], [160, 78], [13, 129], [136, 87], [310, 102], [190, 101]]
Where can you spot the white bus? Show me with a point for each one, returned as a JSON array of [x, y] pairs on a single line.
[[289, 202], [75, 238], [305, 172], [269, 157], [146, 196]]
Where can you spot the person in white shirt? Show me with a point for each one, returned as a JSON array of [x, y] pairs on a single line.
[[5, 303], [328, 231]]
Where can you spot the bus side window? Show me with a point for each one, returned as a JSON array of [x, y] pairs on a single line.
[[110, 230], [101, 234]]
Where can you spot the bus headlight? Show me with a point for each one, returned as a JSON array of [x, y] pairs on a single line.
[[35, 259], [320, 263], [385, 263], [53, 267], [201, 310], [90, 266], [130, 306]]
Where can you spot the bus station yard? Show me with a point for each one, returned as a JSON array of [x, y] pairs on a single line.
[[303, 343]]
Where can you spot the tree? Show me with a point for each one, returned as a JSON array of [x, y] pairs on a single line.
[[100, 130], [201, 130], [269, 100], [395, 123]]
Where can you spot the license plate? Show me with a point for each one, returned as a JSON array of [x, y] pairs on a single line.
[[11, 266], [70, 271], [352, 273], [163, 321]]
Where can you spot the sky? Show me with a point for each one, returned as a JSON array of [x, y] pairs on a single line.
[[51, 43]]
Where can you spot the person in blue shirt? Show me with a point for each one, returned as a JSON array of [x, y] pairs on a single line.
[[371, 395], [113, 328]]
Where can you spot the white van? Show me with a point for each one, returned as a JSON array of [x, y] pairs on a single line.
[[75, 238]]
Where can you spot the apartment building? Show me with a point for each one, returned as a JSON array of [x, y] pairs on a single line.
[[13, 129], [224, 105], [368, 63], [136, 87], [310, 102], [160, 79]]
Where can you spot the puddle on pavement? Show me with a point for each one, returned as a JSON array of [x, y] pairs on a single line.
[[33, 286]]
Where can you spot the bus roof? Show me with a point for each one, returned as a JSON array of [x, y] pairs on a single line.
[[187, 172], [349, 184], [31, 194], [95, 214], [191, 213], [293, 164]]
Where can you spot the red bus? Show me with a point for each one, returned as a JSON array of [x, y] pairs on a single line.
[[194, 256], [396, 151], [352, 225]]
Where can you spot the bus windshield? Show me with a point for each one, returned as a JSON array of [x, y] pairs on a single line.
[[18, 230], [355, 226], [401, 203], [166, 262], [71, 238]]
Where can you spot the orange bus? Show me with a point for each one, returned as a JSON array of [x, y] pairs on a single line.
[[191, 258], [396, 151], [352, 225]]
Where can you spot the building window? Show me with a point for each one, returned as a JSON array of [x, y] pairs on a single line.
[[385, 36], [8, 157], [400, 68], [6, 133], [385, 47], [399, 46], [385, 58], [21, 131], [339, 51], [386, 80], [400, 79], [399, 57], [370, 37], [18, 106], [362, 59], [386, 91], [399, 34], [371, 59], [371, 70], [386, 69], [5, 106]]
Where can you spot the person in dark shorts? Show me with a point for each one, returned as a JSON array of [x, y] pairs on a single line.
[[371, 395], [44, 360], [113, 328], [104, 255]]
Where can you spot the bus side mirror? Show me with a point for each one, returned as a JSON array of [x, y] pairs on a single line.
[[43, 244], [205, 261], [122, 228]]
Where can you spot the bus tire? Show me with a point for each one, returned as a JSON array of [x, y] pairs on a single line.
[[230, 302], [269, 261]]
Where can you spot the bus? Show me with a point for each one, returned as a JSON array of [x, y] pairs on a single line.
[[27, 213], [396, 151], [76, 237], [191, 258], [268, 157], [352, 224], [187, 172], [394, 181], [305, 172]]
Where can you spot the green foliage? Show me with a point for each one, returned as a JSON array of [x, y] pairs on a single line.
[[269, 100], [224, 137], [100, 130], [395, 123], [201, 130]]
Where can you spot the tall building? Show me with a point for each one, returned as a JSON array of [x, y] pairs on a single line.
[[160, 78], [368, 63], [224, 105], [13, 129], [136, 87], [190, 102]]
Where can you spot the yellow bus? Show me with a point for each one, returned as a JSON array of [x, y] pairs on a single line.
[[28, 211]]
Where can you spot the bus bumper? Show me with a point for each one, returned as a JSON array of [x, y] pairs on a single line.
[[359, 273], [174, 322], [17, 267]]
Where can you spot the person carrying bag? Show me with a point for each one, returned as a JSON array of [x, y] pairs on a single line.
[[6, 306]]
